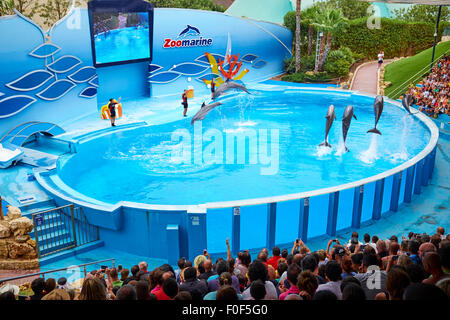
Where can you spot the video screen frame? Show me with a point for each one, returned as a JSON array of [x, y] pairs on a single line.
[[118, 7]]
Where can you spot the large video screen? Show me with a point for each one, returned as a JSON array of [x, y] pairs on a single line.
[[121, 37]]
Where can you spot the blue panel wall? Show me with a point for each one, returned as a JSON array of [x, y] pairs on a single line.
[[218, 222], [345, 211], [369, 194], [253, 226], [287, 221], [387, 194], [318, 215]]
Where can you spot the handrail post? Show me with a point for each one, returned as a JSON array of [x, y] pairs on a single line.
[[36, 236], [73, 225], [84, 267]]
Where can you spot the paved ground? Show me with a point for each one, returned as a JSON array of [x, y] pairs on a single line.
[[366, 79]]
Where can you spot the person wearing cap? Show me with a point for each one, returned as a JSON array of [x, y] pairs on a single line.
[[63, 284]]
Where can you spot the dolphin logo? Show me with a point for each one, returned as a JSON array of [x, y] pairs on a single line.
[[204, 110], [331, 116], [189, 31], [378, 109], [346, 120], [228, 85]]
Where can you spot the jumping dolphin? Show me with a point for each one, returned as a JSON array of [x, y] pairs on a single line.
[[228, 85], [331, 116], [346, 120], [378, 109], [204, 110], [407, 101]]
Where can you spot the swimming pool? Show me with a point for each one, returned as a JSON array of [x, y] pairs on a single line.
[[139, 166]]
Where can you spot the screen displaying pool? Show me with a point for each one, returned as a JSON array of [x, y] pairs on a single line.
[[121, 37]]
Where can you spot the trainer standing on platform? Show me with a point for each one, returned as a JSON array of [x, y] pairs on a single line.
[[184, 102]]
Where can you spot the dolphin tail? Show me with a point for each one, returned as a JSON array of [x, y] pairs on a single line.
[[374, 130], [325, 143], [354, 117], [346, 149]]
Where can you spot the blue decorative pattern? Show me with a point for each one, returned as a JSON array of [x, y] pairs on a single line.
[[164, 77], [208, 76], [12, 105], [204, 58], [82, 75], [94, 81], [56, 90], [64, 64], [30, 81], [154, 67], [45, 50], [259, 64], [26, 130], [249, 58], [89, 92], [189, 69]]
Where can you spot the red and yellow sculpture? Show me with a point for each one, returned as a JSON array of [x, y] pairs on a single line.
[[233, 68]]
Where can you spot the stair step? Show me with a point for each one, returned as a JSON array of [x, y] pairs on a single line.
[[57, 246], [49, 227]]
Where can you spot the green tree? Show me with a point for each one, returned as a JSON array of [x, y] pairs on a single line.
[[25, 7], [297, 35], [189, 4], [6, 7], [52, 11], [422, 13], [330, 20], [351, 9]]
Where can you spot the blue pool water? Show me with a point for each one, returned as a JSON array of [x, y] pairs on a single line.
[[122, 44], [138, 165]]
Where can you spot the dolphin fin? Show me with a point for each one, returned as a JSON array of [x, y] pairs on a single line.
[[354, 117], [325, 143], [346, 149], [374, 130]]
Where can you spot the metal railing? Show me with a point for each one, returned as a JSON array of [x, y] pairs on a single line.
[[62, 228], [43, 273], [400, 89]]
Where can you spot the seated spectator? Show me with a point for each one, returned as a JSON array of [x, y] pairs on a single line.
[[404, 261], [432, 265], [168, 290], [134, 272], [424, 291], [366, 239], [142, 291], [307, 284], [356, 261], [426, 247], [273, 261], [333, 273], [282, 268], [92, 290], [38, 287], [9, 292], [207, 265], [370, 272], [413, 250], [325, 295], [57, 294], [124, 274], [382, 249], [63, 284], [258, 271], [156, 280], [416, 272], [257, 290], [113, 277], [242, 263], [440, 231], [181, 266], [444, 285], [127, 292], [50, 284], [191, 283], [226, 293], [396, 282], [292, 277], [143, 267], [225, 279], [183, 296], [347, 267], [353, 292], [221, 267]]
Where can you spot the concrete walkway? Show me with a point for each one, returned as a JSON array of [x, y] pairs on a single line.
[[366, 78]]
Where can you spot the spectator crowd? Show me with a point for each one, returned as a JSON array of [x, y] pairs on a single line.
[[416, 267], [433, 97]]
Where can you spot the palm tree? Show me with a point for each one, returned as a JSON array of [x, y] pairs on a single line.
[[297, 36], [329, 20]]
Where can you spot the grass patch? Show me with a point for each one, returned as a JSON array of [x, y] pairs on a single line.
[[400, 71]]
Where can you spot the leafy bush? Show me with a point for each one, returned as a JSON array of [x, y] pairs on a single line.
[[395, 37], [303, 77], [339, 62], [306, 64], [191, 4]]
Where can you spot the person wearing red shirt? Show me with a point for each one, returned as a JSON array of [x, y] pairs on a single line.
[[273, 261]]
